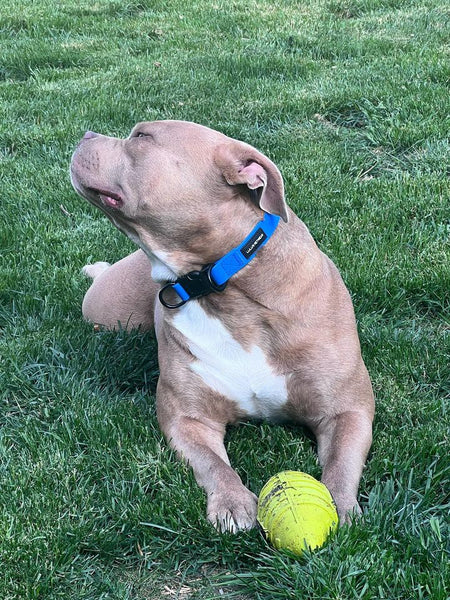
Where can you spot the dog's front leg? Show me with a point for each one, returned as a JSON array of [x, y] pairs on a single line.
[[343, 443], [199, 442]]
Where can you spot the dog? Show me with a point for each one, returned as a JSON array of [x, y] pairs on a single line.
[[252, 320]]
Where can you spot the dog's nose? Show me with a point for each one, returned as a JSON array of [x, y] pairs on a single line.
[[90, 134]]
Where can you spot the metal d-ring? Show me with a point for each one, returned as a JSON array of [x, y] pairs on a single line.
[[164, 302]]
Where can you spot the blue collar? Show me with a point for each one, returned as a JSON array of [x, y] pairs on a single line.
[[214, 277]]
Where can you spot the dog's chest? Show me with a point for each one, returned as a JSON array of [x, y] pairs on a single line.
[[243, 376]]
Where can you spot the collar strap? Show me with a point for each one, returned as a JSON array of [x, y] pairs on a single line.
[[214, 277]]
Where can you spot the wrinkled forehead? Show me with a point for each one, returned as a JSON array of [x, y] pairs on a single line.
[[178, 132]]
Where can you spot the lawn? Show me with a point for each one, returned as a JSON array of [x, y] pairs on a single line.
[[350, 98]]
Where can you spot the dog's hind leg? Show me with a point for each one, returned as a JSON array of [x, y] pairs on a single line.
[[121, 295]]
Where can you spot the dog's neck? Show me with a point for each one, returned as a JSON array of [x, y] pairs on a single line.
[[290, 244], [214, 277], [291, 248]]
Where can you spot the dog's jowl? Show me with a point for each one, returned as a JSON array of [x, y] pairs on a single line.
[[252, 319]]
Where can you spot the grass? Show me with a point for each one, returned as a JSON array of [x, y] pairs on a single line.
[[350, 98]]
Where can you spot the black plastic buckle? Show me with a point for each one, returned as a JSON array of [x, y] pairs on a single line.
[[195, 283]]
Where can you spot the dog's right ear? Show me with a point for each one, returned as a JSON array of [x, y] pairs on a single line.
[[242, 164]]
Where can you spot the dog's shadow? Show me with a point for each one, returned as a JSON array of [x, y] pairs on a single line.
[[126, 361], [259, 448]]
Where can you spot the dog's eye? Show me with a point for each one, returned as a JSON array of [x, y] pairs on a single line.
[[143, 134]]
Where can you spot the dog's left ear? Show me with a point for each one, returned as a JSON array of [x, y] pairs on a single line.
[[242, 164]]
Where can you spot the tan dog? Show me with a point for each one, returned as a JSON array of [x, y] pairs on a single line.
[[279, 343]]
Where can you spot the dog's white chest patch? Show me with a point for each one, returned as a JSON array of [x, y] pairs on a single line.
[[241, 375]]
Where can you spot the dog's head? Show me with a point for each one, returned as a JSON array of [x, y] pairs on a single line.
[[184, 193]]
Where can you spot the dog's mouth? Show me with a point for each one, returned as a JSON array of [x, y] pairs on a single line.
[[108, 199], [103, 198]]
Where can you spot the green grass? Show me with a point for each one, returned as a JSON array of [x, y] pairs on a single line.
[[350, 98]]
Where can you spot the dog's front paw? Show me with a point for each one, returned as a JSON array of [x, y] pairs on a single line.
[[348, 510], [232, 510]]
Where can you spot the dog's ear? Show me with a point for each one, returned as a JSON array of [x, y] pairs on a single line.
[[242, 164]]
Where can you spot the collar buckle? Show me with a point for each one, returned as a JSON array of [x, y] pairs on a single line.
[[192, 285]]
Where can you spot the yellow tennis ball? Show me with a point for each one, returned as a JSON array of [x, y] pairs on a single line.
[[296, 512]]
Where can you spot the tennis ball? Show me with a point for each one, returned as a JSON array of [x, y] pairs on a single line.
[[296, 512]]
